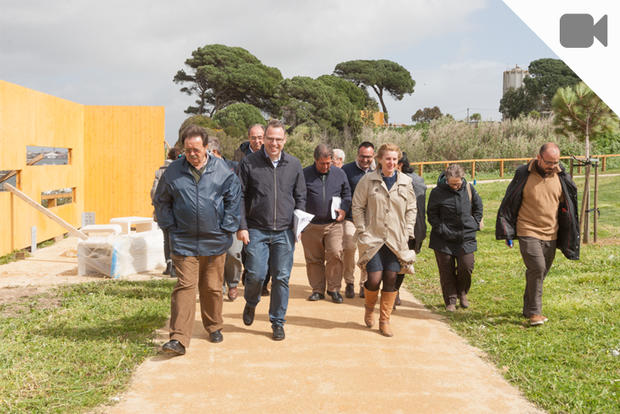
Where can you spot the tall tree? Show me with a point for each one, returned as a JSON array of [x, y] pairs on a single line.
[[316, 102], [379, 75], [427, 114], [516, 102], [220, 75], [546, 76]]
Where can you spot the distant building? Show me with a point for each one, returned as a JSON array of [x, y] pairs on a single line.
[[513, 78]]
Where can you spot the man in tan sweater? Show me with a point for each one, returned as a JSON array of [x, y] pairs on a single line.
[[540, 206]]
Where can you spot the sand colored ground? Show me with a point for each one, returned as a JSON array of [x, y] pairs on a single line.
[[329, 361]]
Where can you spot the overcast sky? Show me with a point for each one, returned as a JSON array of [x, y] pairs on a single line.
[[127, 52]]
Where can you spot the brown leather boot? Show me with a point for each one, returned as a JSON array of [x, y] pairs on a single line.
[[370, 298], [387, 304]]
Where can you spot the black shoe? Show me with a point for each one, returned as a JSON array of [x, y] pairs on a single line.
[[173, 347], [362, 295], [349, 291], [278, 333], [168, 268], [248, 315], [216, 336], [336, 296], [316, 296]]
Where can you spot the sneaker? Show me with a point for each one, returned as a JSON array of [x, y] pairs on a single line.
[[168, 268], [536, 320], [451, 308], [463, 300]]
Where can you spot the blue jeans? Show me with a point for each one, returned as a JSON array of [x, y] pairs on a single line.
[[273, 251]]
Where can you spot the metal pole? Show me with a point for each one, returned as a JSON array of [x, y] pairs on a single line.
[[595, 224]]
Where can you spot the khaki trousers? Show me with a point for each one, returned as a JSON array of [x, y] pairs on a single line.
[[323, 251], [205, 273], [349, 247]]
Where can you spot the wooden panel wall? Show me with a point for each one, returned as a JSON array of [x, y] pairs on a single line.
[[123, 147], [31, 118], [115, 151]]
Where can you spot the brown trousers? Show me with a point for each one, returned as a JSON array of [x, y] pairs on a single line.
[[323, 251], [349, 247], [538, 257], [454, 274], [205, 273]]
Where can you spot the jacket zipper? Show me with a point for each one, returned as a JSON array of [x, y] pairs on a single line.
[[275, 196]]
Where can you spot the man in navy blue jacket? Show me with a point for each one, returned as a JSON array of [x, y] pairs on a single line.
[[322, 238], [273, 187], [197, 202]]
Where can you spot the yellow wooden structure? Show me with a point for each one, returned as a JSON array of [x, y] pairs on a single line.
[[113, 154]]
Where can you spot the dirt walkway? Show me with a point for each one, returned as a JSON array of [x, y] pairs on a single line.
[[329, 361]]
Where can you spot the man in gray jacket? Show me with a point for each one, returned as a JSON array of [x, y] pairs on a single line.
[[197, 202], [273, 187]]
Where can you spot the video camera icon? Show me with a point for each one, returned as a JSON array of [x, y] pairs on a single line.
[[579, 30]]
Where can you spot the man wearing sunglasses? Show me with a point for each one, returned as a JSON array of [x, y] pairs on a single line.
[[540, 210]]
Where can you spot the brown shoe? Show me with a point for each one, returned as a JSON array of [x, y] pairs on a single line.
[[451, 307], [463, 300], [233, 292], [536, 320]]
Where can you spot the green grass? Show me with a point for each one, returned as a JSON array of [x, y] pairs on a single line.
[[73, 348], [568, 364]]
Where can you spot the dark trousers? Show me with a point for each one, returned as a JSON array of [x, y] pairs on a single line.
[[454, 274], [538, 257], [166, 245]]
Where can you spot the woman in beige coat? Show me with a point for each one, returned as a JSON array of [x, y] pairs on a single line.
[[384, 211]]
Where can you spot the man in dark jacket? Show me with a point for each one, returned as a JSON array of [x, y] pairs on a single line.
[[197, 202], [540, 209], [355, 171], [256, 134], [454, 212], [273, 187], [322, 238]]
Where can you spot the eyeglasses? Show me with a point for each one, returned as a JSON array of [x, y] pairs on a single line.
[[549, 163], [278, 140]]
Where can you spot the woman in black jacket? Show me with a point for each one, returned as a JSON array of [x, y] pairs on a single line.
[[455, 213]]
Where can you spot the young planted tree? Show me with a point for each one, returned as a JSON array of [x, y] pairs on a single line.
[[580, 112], [379, 75], [220, 75]]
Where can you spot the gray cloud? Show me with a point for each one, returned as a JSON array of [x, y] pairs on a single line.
[[126, 53]]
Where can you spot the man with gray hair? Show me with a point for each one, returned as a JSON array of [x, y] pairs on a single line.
[[328, 197], [338, 158]]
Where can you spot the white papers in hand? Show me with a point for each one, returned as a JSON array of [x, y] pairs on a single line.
[[301, 220], [335, 206]]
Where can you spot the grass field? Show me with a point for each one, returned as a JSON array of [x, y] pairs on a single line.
[[75, 347], [570, 364]]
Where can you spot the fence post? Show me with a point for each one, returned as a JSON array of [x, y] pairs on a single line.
[[473, 170], [604, 164], [571, 168], [501, 168], [420, 169]]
